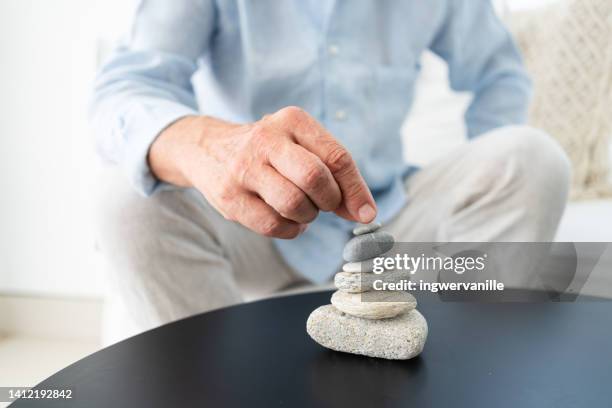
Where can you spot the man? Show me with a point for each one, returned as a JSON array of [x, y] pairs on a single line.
[[261, 131]]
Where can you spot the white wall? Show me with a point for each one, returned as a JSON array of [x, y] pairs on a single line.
[[47, 164]]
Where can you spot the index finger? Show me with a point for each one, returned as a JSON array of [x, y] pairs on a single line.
[[357, 201]]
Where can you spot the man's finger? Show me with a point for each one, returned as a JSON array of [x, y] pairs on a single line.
[[309, 173], [282, 195], [356, 196], [258, 216]]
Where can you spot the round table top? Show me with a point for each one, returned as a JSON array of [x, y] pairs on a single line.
[[258, 354]]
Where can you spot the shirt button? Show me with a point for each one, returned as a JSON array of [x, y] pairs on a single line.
[[333, 50], [340, 114]]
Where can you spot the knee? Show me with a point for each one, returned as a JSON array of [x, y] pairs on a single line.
[[124, 219], [537, 160], [547, 164]]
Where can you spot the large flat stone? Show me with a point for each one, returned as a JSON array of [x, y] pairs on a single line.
[[363, 282], [400, 338], [367, 246], [375, 304]]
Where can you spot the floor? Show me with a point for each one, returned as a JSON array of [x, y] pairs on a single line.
[[37, 339], [27, 360]]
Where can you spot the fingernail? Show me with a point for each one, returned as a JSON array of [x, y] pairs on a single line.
[[303, 228], [366, 213]]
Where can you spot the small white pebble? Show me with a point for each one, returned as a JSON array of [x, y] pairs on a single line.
[[365, 228]]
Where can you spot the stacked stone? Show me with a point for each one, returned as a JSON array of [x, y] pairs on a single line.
[[362, 320]]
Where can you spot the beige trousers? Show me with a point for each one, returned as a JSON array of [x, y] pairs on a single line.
[[172, 255]]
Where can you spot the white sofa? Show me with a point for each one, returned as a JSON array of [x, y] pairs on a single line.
[[435, 126]]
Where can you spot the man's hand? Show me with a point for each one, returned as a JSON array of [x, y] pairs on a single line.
[[272, 176]]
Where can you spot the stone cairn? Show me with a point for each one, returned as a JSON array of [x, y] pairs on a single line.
[[361, 320]]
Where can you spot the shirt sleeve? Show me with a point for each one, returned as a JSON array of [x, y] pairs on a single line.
[[146, 84], [483, 59]]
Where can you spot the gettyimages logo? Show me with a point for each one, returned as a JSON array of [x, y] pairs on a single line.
[[470, 262], [412, 264]]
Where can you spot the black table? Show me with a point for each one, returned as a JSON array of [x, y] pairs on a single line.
[[258, 354]]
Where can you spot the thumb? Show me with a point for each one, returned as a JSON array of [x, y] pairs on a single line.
[[357, 201]]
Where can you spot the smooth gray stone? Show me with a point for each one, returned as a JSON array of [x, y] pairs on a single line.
[[365, 228], [357, 282], [374, 305], [367, 246], [400, 338]]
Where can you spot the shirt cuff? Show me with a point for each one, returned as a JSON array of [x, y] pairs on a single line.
[[140, 127]]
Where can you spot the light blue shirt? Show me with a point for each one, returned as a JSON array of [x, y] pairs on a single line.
[[352, 64]]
